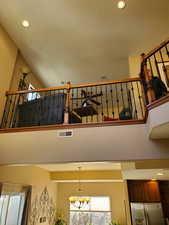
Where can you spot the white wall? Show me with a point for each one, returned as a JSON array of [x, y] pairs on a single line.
[[134, 66]]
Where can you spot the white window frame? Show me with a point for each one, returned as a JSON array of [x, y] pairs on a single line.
[[5, 207], [91, 211]]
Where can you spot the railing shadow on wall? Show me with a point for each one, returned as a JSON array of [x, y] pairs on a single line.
[[104, 103]]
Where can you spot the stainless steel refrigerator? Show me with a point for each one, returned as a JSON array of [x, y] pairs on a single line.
[[147, 214]]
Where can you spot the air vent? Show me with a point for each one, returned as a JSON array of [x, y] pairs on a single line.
[[67, 133]]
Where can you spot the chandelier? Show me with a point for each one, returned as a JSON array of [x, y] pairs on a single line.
[[79, 201]]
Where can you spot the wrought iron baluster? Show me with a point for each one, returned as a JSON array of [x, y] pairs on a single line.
[[5, 111], [13, 111], [151, 68], [112, 100], [121, 89], [43, 107], [135, 106], [117, 100], [139, 96], [128, 96], [97, 116], [50, 106], [102, 110], [164, 67], [86, 103], [157, 68], [81, 100], [167, 51], [77, 101], [8, 112], [91, 93], [72, 96], [107, 101], [77, 96]]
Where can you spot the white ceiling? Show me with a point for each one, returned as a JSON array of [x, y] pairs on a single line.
[[83, 165], [82, 40]]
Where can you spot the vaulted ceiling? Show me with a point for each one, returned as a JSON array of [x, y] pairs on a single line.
[[83, 40]]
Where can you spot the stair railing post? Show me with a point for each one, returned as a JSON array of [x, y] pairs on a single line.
[[67, 104], [147, 76]]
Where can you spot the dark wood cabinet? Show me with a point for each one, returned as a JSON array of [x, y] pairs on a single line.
[[164, 191], [143, 191]]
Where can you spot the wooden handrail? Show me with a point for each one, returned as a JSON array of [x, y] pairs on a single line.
[[69, 86], [156, 49], [106, 82], [36, 90]]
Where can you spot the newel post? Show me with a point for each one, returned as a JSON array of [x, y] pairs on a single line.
[[147, 80], [67, 104]]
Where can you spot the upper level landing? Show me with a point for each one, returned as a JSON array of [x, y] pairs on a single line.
[[55, 118]]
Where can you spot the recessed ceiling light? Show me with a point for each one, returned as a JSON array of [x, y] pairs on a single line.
[[160, 174], [25, 23], [153, 179], [121, 4]]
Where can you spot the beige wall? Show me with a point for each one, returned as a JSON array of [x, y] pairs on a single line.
[[134, 66], [8, 54], [21, 66], [116, 192], [29, 175], [86, 175], [110, 143]]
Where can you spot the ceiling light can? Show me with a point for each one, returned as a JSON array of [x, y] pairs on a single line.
[[25, 23], [121, 4], [160, 174]]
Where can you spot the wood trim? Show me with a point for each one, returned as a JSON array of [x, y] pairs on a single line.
[[73, 126], [146, 115], [69, 86], [156, 48], [36, 90], [158, 102]]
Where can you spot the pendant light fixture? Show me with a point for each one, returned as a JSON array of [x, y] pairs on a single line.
[[79, 201]]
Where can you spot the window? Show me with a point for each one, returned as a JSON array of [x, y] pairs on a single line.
[[33, 95], [97, 212], [11, 208]]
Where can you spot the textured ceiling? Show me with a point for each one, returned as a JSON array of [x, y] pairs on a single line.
[[146, 174], [82, 40]]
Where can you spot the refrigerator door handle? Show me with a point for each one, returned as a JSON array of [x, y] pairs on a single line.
[[146, 215], [147, 219]]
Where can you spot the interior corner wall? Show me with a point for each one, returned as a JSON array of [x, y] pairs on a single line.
[[8, 54], [20, 66], [134, 66], [39, 179], [115, 190]]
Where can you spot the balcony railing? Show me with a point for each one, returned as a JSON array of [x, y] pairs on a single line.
[[155, 72], [103, 102]]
